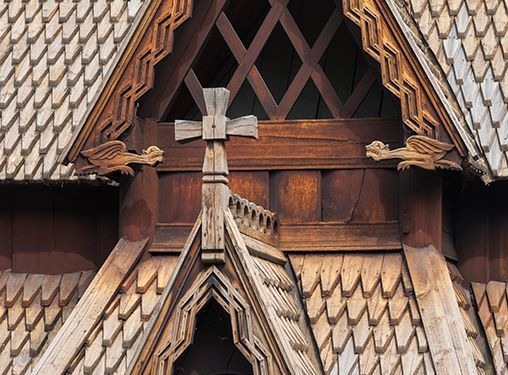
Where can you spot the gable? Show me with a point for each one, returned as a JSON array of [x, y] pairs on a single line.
[[256, 292], [399, 74]]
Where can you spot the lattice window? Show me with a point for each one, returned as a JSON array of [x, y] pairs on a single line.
[[284, 59]]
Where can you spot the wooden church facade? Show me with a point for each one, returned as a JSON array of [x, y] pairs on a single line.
[[288, 192]]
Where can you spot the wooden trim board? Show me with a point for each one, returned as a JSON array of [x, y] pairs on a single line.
[[441, 317], [296, 144], [301, 237], [71, 337]]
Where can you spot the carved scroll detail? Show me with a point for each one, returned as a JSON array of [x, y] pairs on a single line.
[[113, 156], [420, 151]]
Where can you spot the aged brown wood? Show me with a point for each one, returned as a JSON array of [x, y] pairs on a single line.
[[298, 144], [54, 229], [362, 196], [179, 197], [296, 196], [251, 185], [420, 205], [170, 238], [139, 196]]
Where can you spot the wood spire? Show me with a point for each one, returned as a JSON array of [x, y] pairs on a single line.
[[215, 128]]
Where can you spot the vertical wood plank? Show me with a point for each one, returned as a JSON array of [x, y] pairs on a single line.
[[296, 196], [6, 207], [340, 194], [253, 186], [420, 208], [378, 196], [180, 197]]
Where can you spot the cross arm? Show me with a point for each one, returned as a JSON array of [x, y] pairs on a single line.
[[246, 126], [185, 130]]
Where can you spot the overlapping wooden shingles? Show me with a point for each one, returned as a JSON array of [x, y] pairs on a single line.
[[363, 313], [109, 347], [32, 309], [470, 42], [54, 56], [492, 304], [475, 336], [281, 294]]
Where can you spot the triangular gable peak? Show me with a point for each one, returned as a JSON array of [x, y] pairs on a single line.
[[115, 112], [252, 286]]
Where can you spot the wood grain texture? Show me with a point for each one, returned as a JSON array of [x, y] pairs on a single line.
[[70, 338], [296, 196], [360, 195], [170, 238], [297, 144], [439, 310]]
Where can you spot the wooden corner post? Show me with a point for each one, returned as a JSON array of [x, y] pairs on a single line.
[[214, 129]]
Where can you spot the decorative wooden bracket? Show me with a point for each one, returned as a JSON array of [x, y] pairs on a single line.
[[215, 128], [112, 156], [420, 151]]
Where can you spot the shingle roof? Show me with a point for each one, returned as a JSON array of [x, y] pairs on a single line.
[[110, 345], [492, 303], [468, 44], [363, 313], [54, 58], [32, 309]]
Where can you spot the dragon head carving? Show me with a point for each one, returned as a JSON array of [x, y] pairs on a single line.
[[376, 150], [154, 154]]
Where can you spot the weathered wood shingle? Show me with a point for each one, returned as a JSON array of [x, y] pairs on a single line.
[[54, 57]]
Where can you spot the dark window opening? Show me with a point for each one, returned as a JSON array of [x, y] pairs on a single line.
[[213, 351]]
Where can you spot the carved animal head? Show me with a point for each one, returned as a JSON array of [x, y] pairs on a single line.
[[376, 150], [154, 154]]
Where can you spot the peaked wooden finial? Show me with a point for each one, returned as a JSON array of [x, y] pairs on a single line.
[[215, 128]]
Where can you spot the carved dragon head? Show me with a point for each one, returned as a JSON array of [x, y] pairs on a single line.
[[154, 154], [376, 150]]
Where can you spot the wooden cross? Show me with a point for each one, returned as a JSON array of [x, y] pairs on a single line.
[[215, 129]]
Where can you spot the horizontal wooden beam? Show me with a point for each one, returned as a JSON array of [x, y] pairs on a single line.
[[301, 237], [298, 144]]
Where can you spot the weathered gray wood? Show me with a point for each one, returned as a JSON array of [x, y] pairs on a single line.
[[215, 193], [439, 310], [71, 337], [185, 130]]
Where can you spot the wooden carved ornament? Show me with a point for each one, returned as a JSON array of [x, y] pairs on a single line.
[[113, 156], [215, 128], [420, 151]]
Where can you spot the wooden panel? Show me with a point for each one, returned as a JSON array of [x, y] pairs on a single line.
[[322, 237], [310, 144], [378, 196], [54, 229], [420, 204], [301, 237], [296, 196], [251, 185], [75, 221], [6, 228], [179, 197]]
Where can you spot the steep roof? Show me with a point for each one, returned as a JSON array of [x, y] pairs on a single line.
[[33, 308], [55, 57], [465, 44]]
